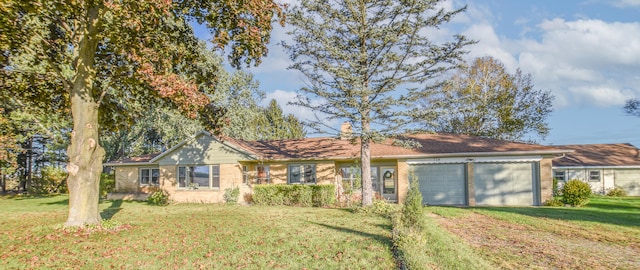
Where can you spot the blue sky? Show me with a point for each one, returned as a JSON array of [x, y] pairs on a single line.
[[587, 53]]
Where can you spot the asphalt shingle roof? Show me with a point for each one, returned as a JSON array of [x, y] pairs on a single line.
[[622, 154]]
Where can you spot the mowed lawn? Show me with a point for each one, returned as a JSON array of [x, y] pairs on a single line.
[[603, 235], [192, 236]]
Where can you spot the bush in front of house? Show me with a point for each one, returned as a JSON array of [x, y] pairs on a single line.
[[412, 214], [158, 197], [107, 184], [293, 195], [576, 193], [231, 195], [323, 195], [617, 192], [555, 202]]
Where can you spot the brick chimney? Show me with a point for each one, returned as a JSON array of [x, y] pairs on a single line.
[[346, 132]]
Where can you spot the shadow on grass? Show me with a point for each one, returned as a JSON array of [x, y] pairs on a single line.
[[600, 213], [114, 208], [376, 237]]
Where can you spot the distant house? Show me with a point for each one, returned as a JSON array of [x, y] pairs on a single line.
[[603, 166], [452, 169]]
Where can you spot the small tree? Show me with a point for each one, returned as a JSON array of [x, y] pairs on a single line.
[[576, 193], [412, 214]]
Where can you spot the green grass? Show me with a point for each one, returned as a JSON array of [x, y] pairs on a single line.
[[193, 236], [603, 234], [435, 248]]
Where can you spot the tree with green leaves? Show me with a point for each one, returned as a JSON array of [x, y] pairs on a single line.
[[273, 124], [101, 55], [485, 100], [364, 62]]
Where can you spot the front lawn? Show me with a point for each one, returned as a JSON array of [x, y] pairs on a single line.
[[603, 235], [193, 236]]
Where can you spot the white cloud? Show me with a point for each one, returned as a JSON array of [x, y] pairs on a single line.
[[584, 62], [626, 3]]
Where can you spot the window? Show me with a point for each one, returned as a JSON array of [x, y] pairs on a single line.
[[196, 177], [149, 176], [351, 178], [559, 175], [245, 175], [263, 174], [302, 173], [594, 176]]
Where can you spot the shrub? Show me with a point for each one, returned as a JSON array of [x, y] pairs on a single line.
[[556, 192], [555, 202], [52, 180], [107, 184], [293, 195], [576, 193], [617, 192], [412, 214], [231, 195], [380, 207], [323, 195], [159, 197]]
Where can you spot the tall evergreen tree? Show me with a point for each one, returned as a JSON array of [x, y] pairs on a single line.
[[365, 60]]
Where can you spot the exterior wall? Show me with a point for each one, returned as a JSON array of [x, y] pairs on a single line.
[[127, 179], [403, 179], [546, 180], [230, 177], [325, 171], [607, 178]]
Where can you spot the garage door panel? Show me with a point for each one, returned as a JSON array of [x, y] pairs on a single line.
[[503, 183], [441, 184]]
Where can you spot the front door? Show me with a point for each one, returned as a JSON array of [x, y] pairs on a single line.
[[388, 183]]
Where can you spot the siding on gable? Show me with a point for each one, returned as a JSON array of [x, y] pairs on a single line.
[[203, 150]]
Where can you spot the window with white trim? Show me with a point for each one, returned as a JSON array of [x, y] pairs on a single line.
[[560, 175], [594, 176], [263, 176], [302, 174], [351, 178], [149, 176], [245, 175], [196, 177]]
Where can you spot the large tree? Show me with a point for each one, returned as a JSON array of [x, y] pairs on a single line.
[[484, 99], [101, 55], [364, 60]]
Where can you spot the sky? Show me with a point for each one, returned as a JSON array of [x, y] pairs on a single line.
[[585, 52]]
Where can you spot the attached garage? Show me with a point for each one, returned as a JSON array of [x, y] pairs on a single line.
[[442, 184], [510, 184], [490, 181]]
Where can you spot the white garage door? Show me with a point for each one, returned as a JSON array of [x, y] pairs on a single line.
[[441, 184], [503, 183], [629, 180]]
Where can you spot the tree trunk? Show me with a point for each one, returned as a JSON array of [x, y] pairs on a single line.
[[85, 153], [365, 165]]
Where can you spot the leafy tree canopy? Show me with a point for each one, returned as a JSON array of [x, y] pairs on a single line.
[[100, 60], [483, 99]]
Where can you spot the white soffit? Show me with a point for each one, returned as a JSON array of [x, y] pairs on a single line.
[[505, 159]]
